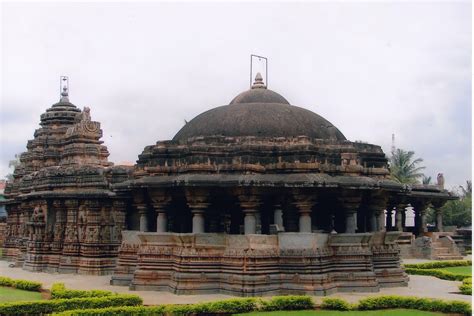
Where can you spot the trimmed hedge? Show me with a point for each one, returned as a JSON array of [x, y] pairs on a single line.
[[59, 305], [58, 291], [336, 304], [21, 284], [425, 304], [281, 303], [118, 311], [439, 264], [466, 286], [232, 306], [441, 274], [287, 303]]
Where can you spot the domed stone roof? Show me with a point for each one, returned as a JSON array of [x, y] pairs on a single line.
[[262, 113], [259, 94]]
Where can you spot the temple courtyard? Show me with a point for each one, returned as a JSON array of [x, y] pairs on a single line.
[[417, 286]]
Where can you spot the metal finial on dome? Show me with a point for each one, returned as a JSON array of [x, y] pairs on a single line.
[[258, 84], [64, 88]]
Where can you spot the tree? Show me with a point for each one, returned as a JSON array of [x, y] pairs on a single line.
[[426, 180], [457, 212], [13, 164], [404, 168]]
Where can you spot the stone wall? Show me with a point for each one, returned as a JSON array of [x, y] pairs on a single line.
[[3, 228]]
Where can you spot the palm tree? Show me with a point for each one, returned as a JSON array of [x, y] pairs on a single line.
[[404, 168], [426, 180], [466, 191]]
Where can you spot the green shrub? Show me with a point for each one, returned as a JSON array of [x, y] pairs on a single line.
[[276, 303], [232, 306], [426, 304], [466, 286], [21, 284], [439, 264], [286, 303], [441, 274], [50, 306], [117, 311], [4, 281], [58, 290], [336, 304], [468, 252]]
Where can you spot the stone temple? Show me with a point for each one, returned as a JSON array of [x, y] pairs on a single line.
[[252, 198]]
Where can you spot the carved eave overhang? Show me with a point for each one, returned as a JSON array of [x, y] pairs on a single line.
[[68, 194], [308, 180], [433, 192]]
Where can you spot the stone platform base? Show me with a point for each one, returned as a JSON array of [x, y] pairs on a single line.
[[255, 265], [39, 257]]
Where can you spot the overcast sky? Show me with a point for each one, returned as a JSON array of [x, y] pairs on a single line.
[[371, 69]]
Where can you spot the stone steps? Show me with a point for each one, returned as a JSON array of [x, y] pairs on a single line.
[[449, 257], [442, 252]]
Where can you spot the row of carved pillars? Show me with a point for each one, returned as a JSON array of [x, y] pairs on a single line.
[[249, 202], [420, 210]]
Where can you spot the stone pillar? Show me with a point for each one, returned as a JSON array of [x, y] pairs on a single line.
[[161, 221], [250, 222], [142, 210], [350, 204], [439, 220], [160, 200], [197, 199], [439, 214], [249, 202], [420, 216], [198, 209], [198, 221], [305, 222], [380, 221], [399, 217], [304, 202], [423, 228], [376, 204], [351, 221], [278, 217], [373, 221]]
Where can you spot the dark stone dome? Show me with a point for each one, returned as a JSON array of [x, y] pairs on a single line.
[[262, 113], [259, 96]]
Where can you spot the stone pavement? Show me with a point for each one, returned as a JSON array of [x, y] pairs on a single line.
[[423, 286]]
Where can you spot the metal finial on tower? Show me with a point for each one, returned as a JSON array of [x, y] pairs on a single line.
[[64, 88], [260, 58]]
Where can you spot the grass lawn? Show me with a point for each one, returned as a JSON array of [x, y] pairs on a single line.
[[466, 270], [386, 312], [8, 294]]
